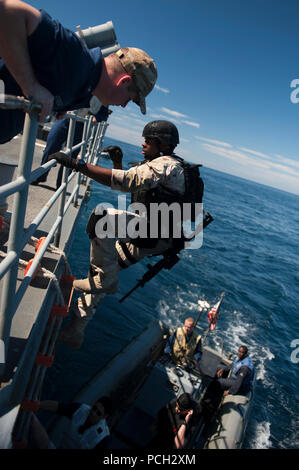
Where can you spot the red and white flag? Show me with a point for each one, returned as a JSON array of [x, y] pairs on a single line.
[[214, 313]]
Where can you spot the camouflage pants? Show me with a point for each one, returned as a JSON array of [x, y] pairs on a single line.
[[108, 256]]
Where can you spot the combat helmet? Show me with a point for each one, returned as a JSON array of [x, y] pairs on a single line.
[[164, 131]]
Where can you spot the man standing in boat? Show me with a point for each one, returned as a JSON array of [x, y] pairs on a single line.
[[42, 60], [185, 344], [158, 178]]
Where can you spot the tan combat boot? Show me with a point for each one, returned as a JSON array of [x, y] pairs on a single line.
[[98, 284], [91, 285], [73, 333]]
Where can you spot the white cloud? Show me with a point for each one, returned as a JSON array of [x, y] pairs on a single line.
[[192, 124], [288, 161], [131, 136], [162, 116], [173, 113], [134, 115], [252, 162], [164, 90], [118, 118], [254, 152], [213, 141], [235, 155], [128, 119], [285, 169]]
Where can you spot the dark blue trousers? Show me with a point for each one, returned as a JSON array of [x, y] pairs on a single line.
[[56, 140]]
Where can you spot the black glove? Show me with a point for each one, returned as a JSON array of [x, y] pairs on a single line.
[[64, 159], [115, 153]]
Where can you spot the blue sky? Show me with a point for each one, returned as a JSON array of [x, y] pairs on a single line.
[[225, 72]]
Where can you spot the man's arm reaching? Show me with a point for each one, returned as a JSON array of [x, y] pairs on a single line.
[[97, 173], [17, 21]]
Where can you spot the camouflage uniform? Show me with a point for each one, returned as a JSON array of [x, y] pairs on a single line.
[[109, 255]]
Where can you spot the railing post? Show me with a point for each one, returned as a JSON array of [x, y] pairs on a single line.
[[93, 143], [97, 144], [103, 132], [85, 137], [69, 144], [17, 228]]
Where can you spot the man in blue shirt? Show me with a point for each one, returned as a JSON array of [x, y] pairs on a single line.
[[241, 376], [41, 59], [238, 383]]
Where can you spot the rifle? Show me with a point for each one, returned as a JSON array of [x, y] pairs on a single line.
[[170, 258]]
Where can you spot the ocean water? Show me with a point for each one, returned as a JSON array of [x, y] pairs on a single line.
[[251, 253]]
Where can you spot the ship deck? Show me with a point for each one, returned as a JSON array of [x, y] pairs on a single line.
[[37, 295]]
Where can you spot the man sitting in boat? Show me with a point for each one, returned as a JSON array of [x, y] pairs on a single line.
[[185, 344], [240, 380], [174, 423], [88, 426], [242, 374]]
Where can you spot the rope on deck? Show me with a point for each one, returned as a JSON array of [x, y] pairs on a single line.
[[33, 241], [53, 249], [42, 273]]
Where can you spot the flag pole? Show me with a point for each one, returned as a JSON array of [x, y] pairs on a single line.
[[215, 315]]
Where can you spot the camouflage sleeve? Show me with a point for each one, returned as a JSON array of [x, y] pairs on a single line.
[[162, 170]]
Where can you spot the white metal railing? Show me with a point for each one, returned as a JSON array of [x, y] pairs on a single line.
[[19, 236]]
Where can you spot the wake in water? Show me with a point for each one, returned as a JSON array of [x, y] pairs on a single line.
[[261, 437]]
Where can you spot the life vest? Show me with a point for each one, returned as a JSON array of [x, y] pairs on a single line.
[[182, 349], [90, 437], [240, 363]]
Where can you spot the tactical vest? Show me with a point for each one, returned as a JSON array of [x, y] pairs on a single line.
[[91, 436], [182, 349], [193, 194], [244, 362]]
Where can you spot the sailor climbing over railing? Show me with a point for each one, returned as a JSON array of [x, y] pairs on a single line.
[[161, 177], [42, 60]]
